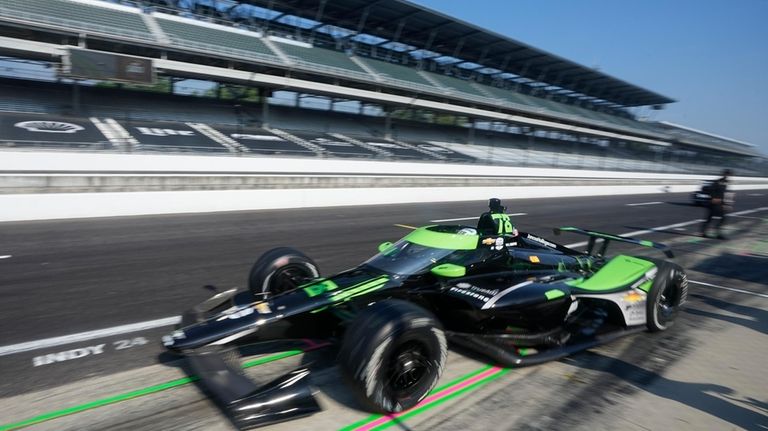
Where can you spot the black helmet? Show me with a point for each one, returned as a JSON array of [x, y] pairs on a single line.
[[495, 205]]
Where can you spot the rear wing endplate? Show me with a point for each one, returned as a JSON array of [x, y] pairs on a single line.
[[607, 238]]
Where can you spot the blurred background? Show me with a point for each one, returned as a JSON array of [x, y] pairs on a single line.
[[148, 148]]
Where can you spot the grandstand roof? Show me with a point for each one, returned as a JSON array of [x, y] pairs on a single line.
[[408, 23]]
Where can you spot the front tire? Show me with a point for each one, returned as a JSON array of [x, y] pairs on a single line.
[[280, 270], [393, 354], [666, 296]]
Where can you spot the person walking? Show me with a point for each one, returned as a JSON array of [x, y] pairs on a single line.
[[717, 205]]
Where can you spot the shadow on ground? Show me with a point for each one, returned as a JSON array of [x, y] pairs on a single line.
[[753, 318], [715, 400], [750, 268]]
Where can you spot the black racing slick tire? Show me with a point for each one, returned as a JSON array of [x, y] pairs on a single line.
[[392, 355], [668, 293], [280, 270]]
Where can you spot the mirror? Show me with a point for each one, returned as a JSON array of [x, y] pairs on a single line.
[[449, 270], [385, 246]]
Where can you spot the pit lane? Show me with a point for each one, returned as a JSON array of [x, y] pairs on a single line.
[[75, 276]]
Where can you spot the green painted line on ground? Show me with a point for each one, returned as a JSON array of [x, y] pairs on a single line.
[[421, 409], [134, 394], [440, 401], [433, 391]]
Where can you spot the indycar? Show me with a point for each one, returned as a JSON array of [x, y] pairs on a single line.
[[516, 299]]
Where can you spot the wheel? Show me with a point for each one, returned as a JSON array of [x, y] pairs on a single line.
[[280, 270], [668, 292], [392, 355]]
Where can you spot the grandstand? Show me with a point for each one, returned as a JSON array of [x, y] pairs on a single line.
[[393, 80]]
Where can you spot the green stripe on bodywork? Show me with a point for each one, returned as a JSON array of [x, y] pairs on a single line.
[[320, 288], [554, 294], [646, 243], [619, 272], [360, 289], [526, 351], [448, 241], [134, 394], [646, 287]]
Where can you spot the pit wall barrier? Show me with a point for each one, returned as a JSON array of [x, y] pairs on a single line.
[[50, 185]]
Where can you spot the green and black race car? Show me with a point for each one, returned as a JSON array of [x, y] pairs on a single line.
[[516, 299]]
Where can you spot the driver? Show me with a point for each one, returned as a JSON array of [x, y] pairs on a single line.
[[496, 221]]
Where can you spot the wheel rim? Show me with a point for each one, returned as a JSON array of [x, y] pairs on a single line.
[[288, 278], [667, 303], [408, 369]]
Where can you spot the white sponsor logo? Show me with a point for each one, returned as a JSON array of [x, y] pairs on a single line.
[[68, 355], [468, 286], [238, 314], [153, 131], [49, 126], [542, 241], [248, 137], [470, 293]]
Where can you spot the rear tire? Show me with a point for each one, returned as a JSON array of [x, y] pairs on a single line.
[[393, 354], [280, 270], [668, 293]]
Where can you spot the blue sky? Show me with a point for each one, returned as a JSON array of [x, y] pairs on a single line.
[[711, 56]]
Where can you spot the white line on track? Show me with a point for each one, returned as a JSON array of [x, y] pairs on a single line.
[[89, 335], [671, 226], [644, 203], [470, 218], [748, 292], [755, 194], [6, 256], [749, 217]]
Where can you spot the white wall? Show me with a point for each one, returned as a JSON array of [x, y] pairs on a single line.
[[20, 161], [14, 207]]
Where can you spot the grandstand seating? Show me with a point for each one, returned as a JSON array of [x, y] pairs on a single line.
[[538, 103], [262, 142], [334, 147], [233, 41], [189, 34], [457, 85], [489, 147], [79, 16], [322, 59], [313, 131], [396, 151], [394, 72]]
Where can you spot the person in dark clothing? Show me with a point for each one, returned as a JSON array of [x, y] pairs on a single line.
[[717, 204], [496, 221]]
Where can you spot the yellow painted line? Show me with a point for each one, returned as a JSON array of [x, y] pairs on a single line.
[[405, 226]]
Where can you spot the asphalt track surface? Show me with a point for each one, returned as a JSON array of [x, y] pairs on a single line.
[[61, 278]]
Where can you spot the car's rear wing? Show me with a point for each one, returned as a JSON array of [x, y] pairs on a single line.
[[607, 238]]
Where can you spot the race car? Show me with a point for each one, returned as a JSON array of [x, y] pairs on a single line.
[[516, 299]]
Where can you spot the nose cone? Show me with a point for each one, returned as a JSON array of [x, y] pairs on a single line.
[[219, 331], [174, 341]]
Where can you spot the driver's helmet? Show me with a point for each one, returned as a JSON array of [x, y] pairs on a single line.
[[495, 205]]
